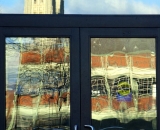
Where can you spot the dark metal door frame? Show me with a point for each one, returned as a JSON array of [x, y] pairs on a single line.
[[73, 34], [85, 35], [80, 28]]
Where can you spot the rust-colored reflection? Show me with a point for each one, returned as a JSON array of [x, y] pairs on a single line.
[[123, 82], [37, 83]]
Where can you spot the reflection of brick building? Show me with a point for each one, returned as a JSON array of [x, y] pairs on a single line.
[[120, 59], [135, 69]]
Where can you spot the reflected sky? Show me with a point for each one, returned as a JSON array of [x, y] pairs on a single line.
[[126, 45], [92, 6]]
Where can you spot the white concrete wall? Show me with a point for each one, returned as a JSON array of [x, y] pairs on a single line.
[[40, 7]]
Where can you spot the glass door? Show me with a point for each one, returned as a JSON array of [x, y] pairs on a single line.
[[60, 74], [38, 82], [120, 79]]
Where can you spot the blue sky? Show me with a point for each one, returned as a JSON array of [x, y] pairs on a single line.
[[93, 6]]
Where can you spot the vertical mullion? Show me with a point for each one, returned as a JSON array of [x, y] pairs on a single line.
[[2, 79], [85, 78], [75, 78], [158, 78]]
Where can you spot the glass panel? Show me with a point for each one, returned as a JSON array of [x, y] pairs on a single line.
[[123, 83], [37, 83]]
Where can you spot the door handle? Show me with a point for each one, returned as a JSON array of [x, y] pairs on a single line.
[[92, 128], [75, 127]]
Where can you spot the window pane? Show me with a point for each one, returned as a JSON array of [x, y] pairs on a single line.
[[37, 83], [123, 83]]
